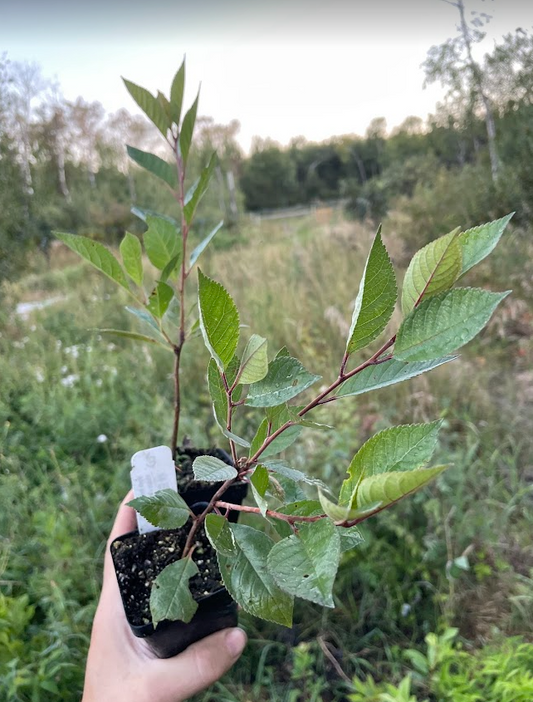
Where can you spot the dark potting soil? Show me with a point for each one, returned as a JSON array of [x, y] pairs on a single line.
[[184, 460], [140, 558]]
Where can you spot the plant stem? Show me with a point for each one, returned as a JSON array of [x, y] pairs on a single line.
[[319, 399], [290, 518], [177, 401], [229, 419], [201, 517]]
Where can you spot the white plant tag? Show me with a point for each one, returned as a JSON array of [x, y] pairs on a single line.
[[152, 470]]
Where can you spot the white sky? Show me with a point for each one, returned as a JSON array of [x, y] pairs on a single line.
[[283, 68]]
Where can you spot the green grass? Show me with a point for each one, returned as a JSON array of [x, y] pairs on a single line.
[[63, 385]]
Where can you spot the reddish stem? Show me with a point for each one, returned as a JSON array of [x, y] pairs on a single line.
[[290, 518]]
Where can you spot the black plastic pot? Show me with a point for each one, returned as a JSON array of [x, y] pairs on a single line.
[[215, 611], [197, 491]]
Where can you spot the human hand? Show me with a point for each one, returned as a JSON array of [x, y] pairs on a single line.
[[120, 666]]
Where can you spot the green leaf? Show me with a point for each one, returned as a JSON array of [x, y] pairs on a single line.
[[134, 336], [176, 93], [282, 352], [161, 241], [187, 129], [162, 100], [144, 318], [97, 255], [260, 481], [143, 213], [198, 250], [375, 300], [150, 105], [198, 189], [171, 267], [254, 363], [444, 323], [220, 535], [280, 443], [477, 243], [248, 580], [305, 564], [387, 373], [351, 537], [285, 379], [162, 169], [396, 449], [159, 299], [432, 270], [212, 469], [166, 509], [131, 252], [343, 513], [219, 320], [170, 597], [279, 466], [388, 488], [217, 392]]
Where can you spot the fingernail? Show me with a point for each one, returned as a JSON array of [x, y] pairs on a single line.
[[235, 641]]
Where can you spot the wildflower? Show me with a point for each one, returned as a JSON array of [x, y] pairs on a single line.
[[101, 439]]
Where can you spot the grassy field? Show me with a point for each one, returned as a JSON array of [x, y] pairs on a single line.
[[74, 406]]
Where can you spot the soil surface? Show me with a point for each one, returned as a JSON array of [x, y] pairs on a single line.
[[140, 558], [184, 461]]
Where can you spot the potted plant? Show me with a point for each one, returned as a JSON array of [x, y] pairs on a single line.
[[180, 582]]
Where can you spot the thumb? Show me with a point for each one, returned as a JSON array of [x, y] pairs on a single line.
[[200, 665]]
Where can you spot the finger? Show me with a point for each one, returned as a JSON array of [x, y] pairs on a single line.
[[201, 664]]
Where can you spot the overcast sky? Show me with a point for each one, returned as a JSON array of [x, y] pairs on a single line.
[[283, 68]]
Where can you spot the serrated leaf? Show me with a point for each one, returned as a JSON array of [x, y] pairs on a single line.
[[131, 252], [477, 243], [375, 300], [432, 270], [259, 480], [187, 129], [161, 241], [305, 564], [134, 336], [159, 299], [396, 449], [162, 169], [198, 189], [220, 535], [387, 373], [170, 597], [198, 250], [166, 509], [444, 323], [150, 105], [176, 93], [212, 469], [248, 580], [219, 320], [285, 379], [97, 255], [279, 466], [217, 393], [282, 352], [254, 362], [388, 488]]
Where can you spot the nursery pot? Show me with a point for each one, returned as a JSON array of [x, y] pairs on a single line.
[[195, 491], [139, 558]]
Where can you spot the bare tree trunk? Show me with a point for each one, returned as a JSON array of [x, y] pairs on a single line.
[[478, 80], [61, 172]]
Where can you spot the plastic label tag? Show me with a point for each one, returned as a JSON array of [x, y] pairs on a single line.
[[152, 470]]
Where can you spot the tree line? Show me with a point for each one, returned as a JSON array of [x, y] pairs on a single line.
[[63, 163]]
